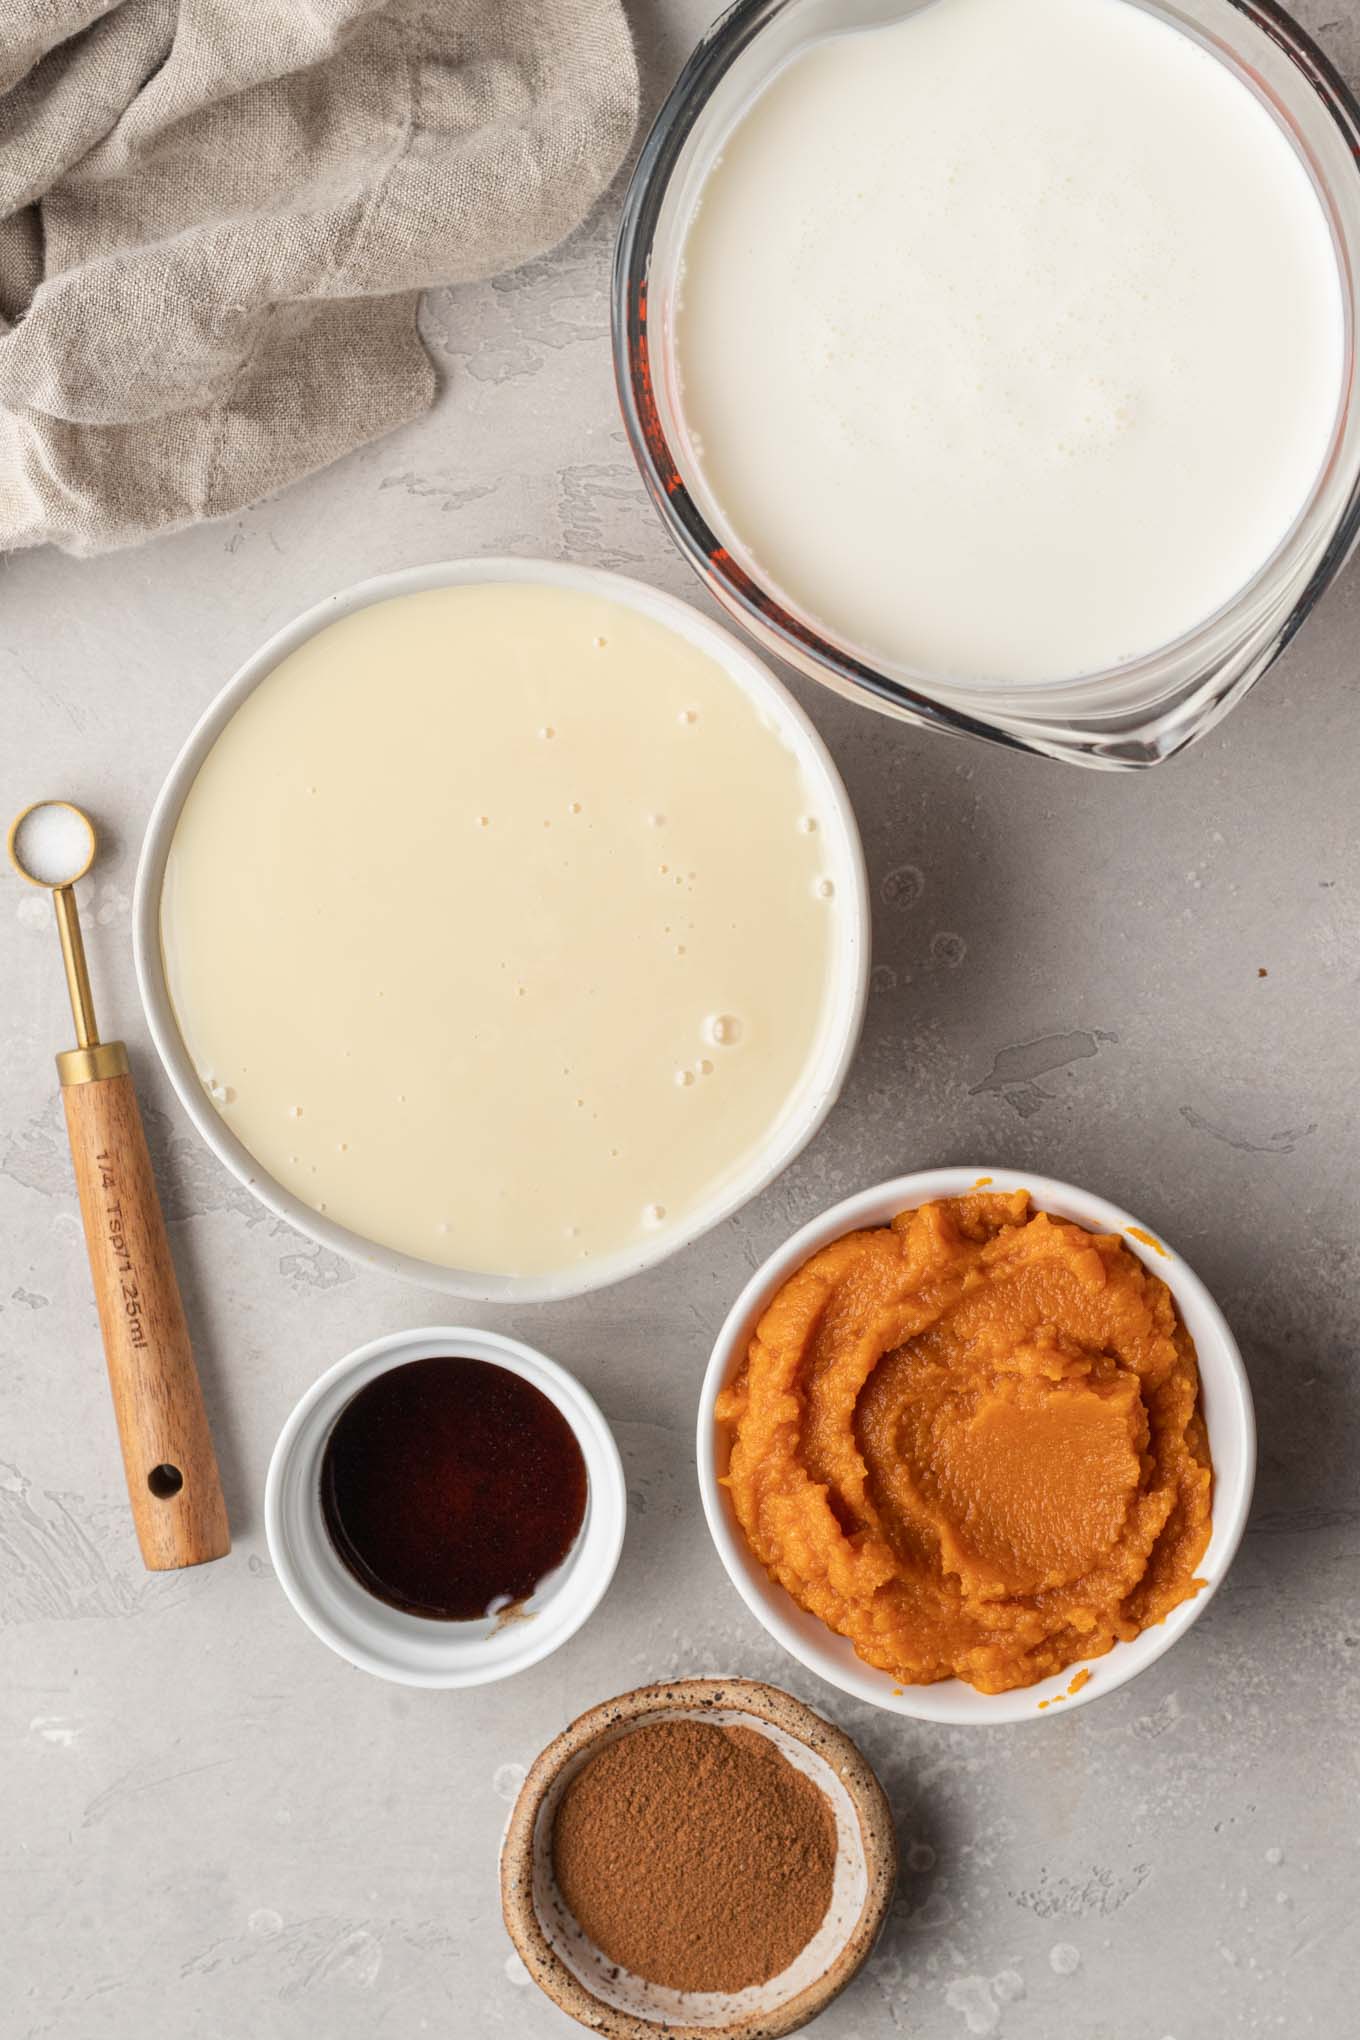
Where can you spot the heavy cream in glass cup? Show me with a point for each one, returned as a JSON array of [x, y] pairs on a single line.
[[995, 357]]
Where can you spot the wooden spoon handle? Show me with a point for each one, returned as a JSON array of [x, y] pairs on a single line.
[[168, 1456]]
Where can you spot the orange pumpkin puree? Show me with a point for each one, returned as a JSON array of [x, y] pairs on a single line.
[[972, 1443]]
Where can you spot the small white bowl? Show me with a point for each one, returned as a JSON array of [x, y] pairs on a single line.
[[1227, 1413], [412, 1649], [841, 1025]]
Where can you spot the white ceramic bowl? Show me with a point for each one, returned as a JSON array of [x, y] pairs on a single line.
[[412, 1649], [1227, 1411], [845, 862]]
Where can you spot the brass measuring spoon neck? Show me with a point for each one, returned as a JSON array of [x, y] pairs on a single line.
[[77, 970], [91, 1058]]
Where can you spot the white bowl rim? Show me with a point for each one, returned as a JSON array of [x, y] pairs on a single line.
[[608, 1496], [843, 1027], [951, 1700]]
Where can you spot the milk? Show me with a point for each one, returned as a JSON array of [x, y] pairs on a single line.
[[1009, 340]]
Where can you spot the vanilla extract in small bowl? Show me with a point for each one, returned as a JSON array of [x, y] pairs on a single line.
[[445, 1507], [451, 1488]]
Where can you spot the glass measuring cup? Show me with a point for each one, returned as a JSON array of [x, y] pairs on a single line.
[[1131, 715]]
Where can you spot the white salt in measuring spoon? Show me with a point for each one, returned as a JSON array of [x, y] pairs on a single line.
[[168, 1457]]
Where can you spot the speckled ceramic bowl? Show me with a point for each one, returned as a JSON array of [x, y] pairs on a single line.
[[585, 1984]]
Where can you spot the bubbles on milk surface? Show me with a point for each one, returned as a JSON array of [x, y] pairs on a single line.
[[724, 1030]]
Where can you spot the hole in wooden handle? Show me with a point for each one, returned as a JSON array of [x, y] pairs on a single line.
[[164, 1481]]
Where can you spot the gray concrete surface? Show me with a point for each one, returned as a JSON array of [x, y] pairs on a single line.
[[209, 1826]]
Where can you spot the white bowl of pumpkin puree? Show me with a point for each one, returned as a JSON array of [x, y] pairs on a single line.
[[976, 1446]]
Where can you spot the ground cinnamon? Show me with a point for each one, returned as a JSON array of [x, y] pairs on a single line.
[[694, 1854]]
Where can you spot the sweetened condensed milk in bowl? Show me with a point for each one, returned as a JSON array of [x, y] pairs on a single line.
[[504, 924], [992, 359]]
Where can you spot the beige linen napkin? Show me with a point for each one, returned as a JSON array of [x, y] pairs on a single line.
[[216, 216]]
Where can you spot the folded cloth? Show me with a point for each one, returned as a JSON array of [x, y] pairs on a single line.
[[216, 217]]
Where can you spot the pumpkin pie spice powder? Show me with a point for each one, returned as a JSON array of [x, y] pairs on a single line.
[[694, 1854]]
